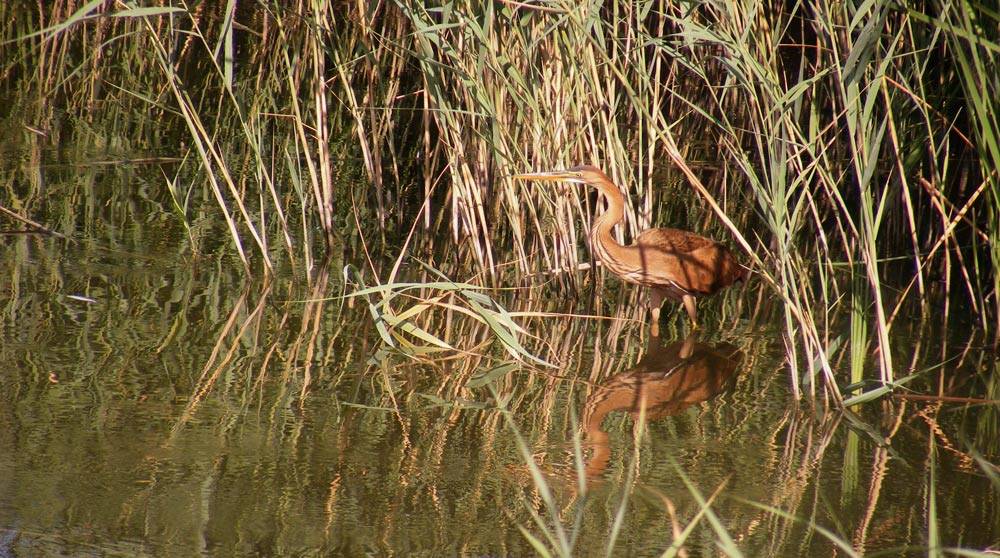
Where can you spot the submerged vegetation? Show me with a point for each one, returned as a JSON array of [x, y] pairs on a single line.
[[849, 152]]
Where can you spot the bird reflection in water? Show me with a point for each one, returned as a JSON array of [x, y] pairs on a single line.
[[668, 380]]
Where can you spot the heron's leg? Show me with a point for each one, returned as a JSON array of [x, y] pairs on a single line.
[[689, 305], [655, 302]]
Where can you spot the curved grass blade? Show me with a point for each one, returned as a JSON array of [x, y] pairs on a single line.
[[823, 531]]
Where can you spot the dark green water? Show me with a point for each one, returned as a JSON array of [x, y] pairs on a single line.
[[153, 402]]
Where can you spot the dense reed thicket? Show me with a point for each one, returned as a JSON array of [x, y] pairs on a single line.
[[850, 149]]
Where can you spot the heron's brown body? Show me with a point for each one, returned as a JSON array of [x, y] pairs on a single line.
[[674, 264]]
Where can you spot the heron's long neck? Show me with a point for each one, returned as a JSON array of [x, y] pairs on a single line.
[[600, 232]]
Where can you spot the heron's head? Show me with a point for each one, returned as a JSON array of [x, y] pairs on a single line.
[[583, 174]]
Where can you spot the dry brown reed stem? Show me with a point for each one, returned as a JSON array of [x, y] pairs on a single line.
[[940, 241], [33, 224]]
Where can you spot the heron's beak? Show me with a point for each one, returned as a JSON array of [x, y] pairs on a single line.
[[550, 176]]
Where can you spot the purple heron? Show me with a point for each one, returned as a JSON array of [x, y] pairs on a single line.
[[674, 264]]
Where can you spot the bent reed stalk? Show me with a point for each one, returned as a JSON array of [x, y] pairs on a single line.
[[849, 151]]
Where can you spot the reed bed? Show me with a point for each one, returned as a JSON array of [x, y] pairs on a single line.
[[849, 151]]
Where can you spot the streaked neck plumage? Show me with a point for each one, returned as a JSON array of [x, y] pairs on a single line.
[[605, 222]]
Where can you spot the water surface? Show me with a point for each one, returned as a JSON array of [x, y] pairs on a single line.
[[154, 401]]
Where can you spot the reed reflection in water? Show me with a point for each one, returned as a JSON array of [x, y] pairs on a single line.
[[669, 379]]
